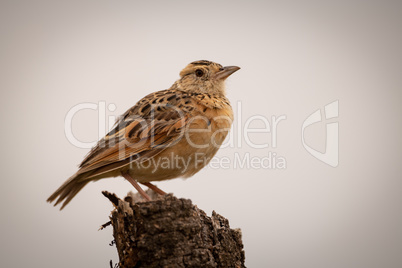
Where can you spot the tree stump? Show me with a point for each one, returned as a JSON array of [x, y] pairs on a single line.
[[172, 232]]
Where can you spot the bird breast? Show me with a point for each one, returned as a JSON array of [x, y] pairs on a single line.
[[204, 134]]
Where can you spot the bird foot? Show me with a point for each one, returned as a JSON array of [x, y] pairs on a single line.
[[154, 188], [128, 177]]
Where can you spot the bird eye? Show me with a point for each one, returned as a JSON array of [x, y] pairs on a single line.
[[199, 72]]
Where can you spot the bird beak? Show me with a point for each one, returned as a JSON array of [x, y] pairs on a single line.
[[225, 72]]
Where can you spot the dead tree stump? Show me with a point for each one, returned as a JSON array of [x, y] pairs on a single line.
[[172, 232]]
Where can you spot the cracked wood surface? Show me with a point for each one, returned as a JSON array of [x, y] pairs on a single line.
[[172, 232]]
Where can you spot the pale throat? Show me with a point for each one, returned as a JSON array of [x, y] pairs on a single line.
[[211, 87]]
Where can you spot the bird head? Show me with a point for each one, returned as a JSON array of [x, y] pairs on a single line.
[[205, 77]]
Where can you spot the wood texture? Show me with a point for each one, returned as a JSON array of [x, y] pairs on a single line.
[[172, 232]]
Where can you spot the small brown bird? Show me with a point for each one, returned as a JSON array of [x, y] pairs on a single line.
[[167, 134]]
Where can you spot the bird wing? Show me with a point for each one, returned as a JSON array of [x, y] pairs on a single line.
[[156, 122]]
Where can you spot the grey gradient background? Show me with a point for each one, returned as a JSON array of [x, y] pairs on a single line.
[[296, 57]]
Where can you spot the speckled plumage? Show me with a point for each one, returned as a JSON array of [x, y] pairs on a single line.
[[163, 125]]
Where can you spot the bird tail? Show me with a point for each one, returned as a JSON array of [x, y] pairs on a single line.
[[69, 189]]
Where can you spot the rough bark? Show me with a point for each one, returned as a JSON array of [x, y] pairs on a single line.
[[172, 232]]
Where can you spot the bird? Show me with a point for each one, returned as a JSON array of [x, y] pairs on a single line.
[[168, 134]]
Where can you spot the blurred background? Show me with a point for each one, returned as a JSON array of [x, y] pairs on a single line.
[[296, 57]]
